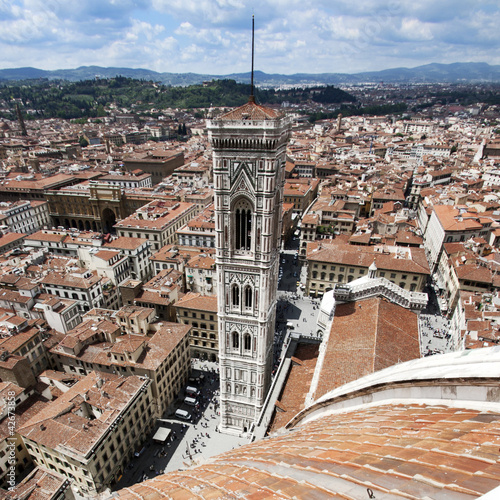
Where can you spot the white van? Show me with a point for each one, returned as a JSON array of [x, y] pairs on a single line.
[[182, 414], [192, 391], [191, 401]]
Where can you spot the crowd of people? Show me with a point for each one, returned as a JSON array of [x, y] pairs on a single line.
[[436, 338]]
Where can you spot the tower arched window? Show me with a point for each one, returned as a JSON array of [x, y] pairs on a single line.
[[235, 340], [248, 296], [247, 342], [243, 225], [235, 295]]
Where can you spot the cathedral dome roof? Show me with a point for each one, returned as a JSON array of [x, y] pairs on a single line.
[[420, 429]]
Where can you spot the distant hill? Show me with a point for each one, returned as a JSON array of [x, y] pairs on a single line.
[[429, 73]]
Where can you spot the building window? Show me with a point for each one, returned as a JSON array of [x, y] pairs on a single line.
[[235, 295], [248, 296]]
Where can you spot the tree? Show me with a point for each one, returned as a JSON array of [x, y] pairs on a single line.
[[83, 142], [100, 110]]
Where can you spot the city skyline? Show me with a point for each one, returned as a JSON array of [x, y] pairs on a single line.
[[214, 37]]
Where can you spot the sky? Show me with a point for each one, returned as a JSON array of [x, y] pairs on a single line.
[[214, 36]]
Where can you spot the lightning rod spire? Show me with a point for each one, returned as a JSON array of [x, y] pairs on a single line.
[[252, 97]]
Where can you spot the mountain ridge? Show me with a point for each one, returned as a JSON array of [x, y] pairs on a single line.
[[428, 73]]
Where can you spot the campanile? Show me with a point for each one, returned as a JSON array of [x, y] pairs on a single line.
[[249, 148]]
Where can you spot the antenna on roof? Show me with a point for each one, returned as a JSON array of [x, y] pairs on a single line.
[[252, 97]]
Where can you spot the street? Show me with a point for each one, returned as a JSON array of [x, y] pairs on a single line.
[[190, 442]]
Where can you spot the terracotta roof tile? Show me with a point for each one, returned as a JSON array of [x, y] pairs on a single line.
[[376, 332]]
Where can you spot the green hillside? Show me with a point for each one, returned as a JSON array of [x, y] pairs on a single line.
[[90, 98]]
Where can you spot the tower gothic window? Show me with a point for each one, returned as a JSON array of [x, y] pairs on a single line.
[[247, 342], [243, 226], [236, 340]]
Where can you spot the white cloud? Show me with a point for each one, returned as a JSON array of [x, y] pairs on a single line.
[[213, 36], [413, 29]]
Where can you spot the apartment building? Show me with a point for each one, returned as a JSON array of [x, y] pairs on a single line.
[[24, 216], [135, 320], [449, 224], [54, 486], [100, 345], [461, 270], [308, 226], [199, 231], [78, 284], [114, 264], [331, 263], [200, 313], [60, 314], [133, 180], [157, 222], [10, 241], [23, 337], [200, 274], [176, 257], [161, 292], [382, 196], [18, 405], [160, 163], [301, 193], [138, 252], [90, 433]]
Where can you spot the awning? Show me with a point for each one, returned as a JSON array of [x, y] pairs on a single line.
[[161, 435]]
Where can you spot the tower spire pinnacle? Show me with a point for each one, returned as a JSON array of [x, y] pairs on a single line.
[[252, 97]]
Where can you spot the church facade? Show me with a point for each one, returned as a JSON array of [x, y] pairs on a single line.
[[249, 148]]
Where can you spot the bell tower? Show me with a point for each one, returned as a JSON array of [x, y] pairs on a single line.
[[249, 149]]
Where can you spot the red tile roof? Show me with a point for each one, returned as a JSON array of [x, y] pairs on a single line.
[[367, 336], [251, 111]]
